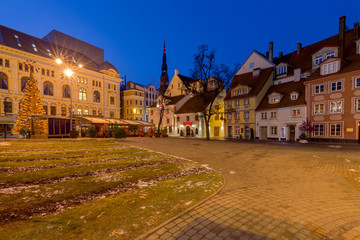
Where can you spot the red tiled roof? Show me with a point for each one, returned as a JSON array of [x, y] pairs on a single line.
[[197, 103], [172, 100], [285, 89], [247, 79]]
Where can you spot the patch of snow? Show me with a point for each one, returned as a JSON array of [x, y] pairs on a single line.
[[232, 172], [188, 203]]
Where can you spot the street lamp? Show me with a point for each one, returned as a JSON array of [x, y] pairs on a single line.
[[68, 72]]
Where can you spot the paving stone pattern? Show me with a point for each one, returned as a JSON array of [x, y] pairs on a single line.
[[273, 191]]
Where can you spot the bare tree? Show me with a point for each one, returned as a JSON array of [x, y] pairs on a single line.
[[213, 81]]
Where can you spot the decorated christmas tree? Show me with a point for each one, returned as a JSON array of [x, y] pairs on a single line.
[[31, 109]]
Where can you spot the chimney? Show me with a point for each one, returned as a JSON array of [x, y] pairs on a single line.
[[341, 36], [176, 71], [297, 74], [298, 48], [271, 49], [356, 31], [280, 54]]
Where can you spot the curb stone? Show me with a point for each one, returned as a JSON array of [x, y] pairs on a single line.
[[148, 233]]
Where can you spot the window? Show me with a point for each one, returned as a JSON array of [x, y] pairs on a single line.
[[168, 120], [246, 101], [7, 63], [335, 129], [96, 96], [112, 100], [45, 107], [319, 108], [20, 66], [236, 103], [94, 112], [86, 111], [52, 110], [239, 91], [274, 100], [187, 118], [336, 86], [82, 94], [318, 59], [7, 105], [273, 130], [237, 130], [23, 83], [293, 96], [48, 50], [178, 119], [109, 86], [263, 115], [63, 111], [47, 72], [330, 54], [237, 116], [17, 40], [26, 68], [229, 117], [52, 74], [318, 89], [33, 45], [152, 112], [99, 84], [234, 93], [245, 90], [43, 71], [66, 91], [79, 111], [1, 61], [252, 65], [336, 107], [246, 115], [357, 105], [229, 105], [4, 81], [273, 115], [112, 114], [296, 113], [330, 68], [357, 82], [127, 111], [319, 130], [281, 70], [100, 113], [48, 88], [136, 102]]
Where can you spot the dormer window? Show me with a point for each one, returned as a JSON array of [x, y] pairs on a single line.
[[239, 91], [318, 59], [245, 90], [294, 96], [48, 50], [330, 54], [330, 68], [234, 93], [274, 100], [18, 40], [281, 70]]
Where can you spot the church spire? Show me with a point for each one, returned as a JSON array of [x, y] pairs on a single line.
[[164, 65], [164, 79]]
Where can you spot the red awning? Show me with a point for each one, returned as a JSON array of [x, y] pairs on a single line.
[[187, 123]]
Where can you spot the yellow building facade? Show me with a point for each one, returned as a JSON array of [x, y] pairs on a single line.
[[93, 88]]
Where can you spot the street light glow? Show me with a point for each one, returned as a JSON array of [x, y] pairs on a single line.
[[80, 65], [58, 61], [68, 72]]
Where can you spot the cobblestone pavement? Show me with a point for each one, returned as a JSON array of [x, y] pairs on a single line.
[[273, 191]]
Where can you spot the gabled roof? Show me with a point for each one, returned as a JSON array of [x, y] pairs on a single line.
[[247, 79], [285, 89], [186, 80], [304, 59], [43, 46], [171, 100], [197, 103]]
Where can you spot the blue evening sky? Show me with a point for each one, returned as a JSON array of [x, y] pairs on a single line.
[[132, 31]]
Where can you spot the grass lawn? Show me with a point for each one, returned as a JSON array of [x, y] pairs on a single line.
[[93, 189]]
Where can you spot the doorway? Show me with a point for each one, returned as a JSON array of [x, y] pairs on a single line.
[[292, 132], [187, 131], [230, 131], [263, 132], [247, 132], [216, 131]]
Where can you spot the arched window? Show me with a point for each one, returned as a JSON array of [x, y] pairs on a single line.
[[96, 96], [48, 88], [82, 94], [7, 105], [23, 83], [66, 91], [3, 81]]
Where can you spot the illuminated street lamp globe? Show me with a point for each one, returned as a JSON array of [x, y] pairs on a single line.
[[68, 72], [58, 61]]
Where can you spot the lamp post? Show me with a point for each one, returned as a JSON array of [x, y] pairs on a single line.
[[68, 72]]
